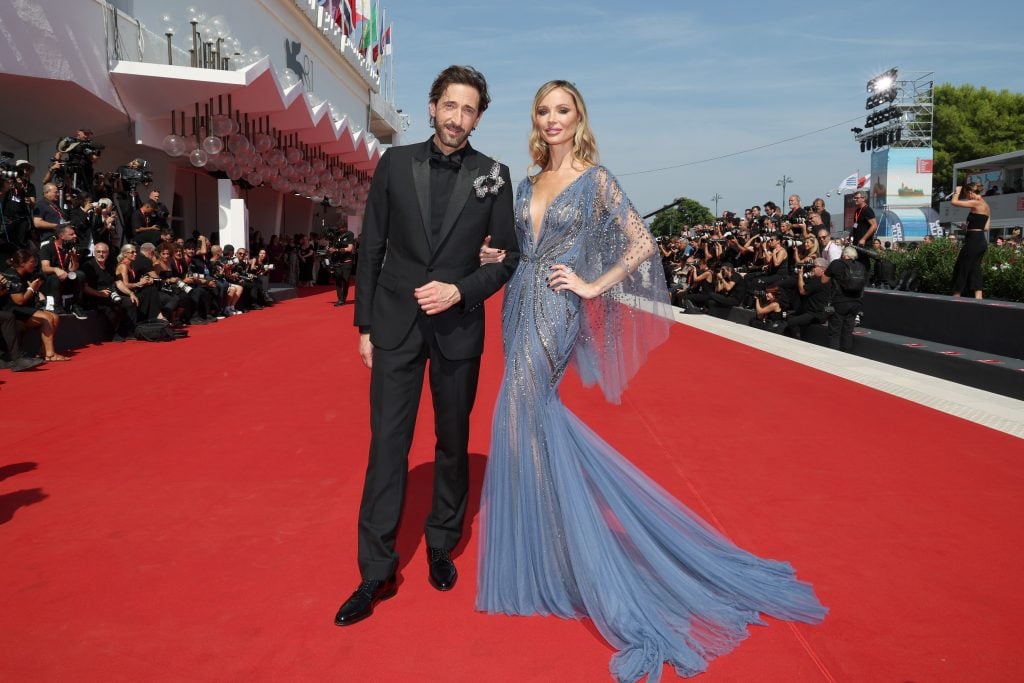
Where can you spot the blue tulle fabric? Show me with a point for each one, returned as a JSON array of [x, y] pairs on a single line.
[[569, 527]]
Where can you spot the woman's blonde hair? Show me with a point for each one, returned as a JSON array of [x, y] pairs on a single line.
[[973, 187], [584, 146]]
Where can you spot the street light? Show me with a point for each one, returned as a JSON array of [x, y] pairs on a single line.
[[783, 181], [715, 200]]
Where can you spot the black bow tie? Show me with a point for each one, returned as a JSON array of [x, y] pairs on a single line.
[[439, 160]]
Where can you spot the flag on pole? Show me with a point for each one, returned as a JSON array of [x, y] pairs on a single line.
[[369, 32], [348, 23], [852, 183], [387, 40]]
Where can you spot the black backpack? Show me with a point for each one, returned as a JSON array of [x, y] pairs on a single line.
[[856, 279], [155, 331]]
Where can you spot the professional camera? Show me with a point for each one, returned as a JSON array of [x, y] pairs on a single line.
[[868, 252], [183, 286], [115, 295], [136, 172], [7, 168], [78, 149], [789, 242], [14, 283]]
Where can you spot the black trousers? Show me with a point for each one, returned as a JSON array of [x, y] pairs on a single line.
[[796, 325], [10, 335], [396, 382], [841, 324], [342, 274], [58, 289]]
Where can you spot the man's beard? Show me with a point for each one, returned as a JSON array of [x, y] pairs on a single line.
[[450, 139]]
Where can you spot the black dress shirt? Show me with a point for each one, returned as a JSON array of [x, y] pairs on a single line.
[[444, 169]]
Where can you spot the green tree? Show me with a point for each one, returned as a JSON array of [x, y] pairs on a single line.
[[684, 213], [971, 123]]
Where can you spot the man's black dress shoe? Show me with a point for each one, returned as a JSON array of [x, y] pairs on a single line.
[[442, 570], [360, 604]]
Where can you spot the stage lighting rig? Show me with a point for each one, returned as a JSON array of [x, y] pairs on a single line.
[[883, 81]]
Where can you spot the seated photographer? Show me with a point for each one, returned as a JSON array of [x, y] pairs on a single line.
[[101, 292], [262, 268], [135, 277], [11, 330], [253, 293], [23, 285], [63, 279], [174, 290], [730, 291], [806, 252], [814, 298], [199, 268], [771, 310], [199, 296], [699, 289], [222, 268]]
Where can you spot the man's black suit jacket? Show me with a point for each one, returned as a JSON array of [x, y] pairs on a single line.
[[396, 255]]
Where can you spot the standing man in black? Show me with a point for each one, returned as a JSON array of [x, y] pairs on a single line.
[[343, 255], [864, 226], [421, 289]]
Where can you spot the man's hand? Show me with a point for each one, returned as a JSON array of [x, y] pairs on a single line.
[[366, 350], [437, 297], [61, 274]]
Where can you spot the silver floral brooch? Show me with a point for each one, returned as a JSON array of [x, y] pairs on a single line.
[[490, 183]]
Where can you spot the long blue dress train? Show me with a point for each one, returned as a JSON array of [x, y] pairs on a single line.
[[568, 526]]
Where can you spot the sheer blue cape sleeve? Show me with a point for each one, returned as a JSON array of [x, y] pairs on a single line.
[[620, 328]]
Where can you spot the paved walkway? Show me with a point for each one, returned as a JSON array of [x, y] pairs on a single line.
[[982, 407]]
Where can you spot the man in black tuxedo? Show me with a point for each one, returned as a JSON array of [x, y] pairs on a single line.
[[420, 290]]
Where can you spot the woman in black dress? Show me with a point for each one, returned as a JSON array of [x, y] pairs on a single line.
[[306, 254], [967, 271], [23, 290]]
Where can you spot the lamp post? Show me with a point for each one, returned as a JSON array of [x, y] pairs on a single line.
[[715, 200], [783, 181]]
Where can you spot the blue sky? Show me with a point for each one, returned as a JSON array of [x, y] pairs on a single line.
[[669, 83]]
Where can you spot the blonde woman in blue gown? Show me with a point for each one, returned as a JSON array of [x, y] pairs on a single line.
[[569, 527]]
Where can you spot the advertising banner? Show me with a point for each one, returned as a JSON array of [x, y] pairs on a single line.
[[901, 178]]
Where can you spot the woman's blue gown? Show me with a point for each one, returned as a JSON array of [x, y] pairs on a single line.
[[569, 526]]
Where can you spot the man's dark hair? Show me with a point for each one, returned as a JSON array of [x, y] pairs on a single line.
[[460, 75], [151, 205]]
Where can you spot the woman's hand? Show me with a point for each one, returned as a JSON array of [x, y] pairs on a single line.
[[563, 278], [488, 254]]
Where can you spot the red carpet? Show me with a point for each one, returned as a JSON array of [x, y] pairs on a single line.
[[187, 511]]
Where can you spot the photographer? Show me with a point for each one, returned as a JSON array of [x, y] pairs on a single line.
[[23, 285], [161, 214], [175, 291], [59, 262], [101, 293], [105, 226], [253, 292], [342, 252], [11, 331], [818, 209], [701, 286], [770, 309], [814, 297], [47, 215], [797, 213], [76, 155], [864, 226], [829, 249], [223, 269], [200, 298], [142, 228], [730, 291], [19, 202], [848, 277], [199, 269]]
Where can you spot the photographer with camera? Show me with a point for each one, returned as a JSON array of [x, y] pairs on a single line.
[[253, 293], [59, 262], [700, 287], [730, 290], [11, 331], [143, 229], [101, 293], [848, 277], [797, 213], [814, 298], [771, 309], [342, 256], [222, 268], [818, 209], [23, 283], [19, 200], [161, 214], [864, 227], [76, 156], [198, 268], [200, 298]]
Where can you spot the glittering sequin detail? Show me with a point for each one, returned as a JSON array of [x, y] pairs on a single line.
[[568, 526]]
